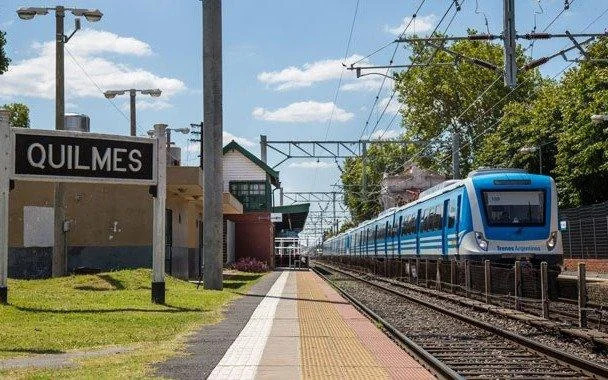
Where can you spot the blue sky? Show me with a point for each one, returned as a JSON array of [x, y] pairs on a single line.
[[281, 64]]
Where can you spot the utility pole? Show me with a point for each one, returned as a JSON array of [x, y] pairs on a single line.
[[363, 179], [212, 143], [263, 148], [59, 266], [509, 43], [455, 154], [335, 221], [133, 113]]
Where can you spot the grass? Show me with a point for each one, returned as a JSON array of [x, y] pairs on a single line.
[[85, 311]]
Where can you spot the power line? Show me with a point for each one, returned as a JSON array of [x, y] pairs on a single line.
[[333, 109], [94, 83], [395, 89], [391, 62]]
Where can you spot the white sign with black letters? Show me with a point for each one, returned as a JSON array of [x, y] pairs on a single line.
[[62, 156]]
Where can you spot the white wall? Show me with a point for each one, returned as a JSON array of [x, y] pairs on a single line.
[[237, 167], [38, 226]]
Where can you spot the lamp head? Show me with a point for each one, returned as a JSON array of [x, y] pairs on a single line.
[[92, 15], [528, 149], [29, 13], [111, 94], [597, 119], [155, 93]]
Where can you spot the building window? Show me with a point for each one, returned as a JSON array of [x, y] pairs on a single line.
[[254, 195]]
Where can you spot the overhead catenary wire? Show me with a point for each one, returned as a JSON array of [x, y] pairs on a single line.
[[369, 194], [384, 78], [333, 109], [431, 142], [94, 83]]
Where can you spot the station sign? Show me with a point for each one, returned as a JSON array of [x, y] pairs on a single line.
[[65, 156], [276, 217]]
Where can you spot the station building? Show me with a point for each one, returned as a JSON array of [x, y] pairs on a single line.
[[111, 225]]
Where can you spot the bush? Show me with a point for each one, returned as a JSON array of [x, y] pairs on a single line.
[[252, 265]]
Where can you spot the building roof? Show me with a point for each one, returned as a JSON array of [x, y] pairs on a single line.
[[294, 217], [274, 175]]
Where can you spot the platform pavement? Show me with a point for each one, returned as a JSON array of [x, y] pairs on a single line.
[[303, 328]]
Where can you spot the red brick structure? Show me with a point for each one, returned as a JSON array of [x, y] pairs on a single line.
[[254, 236], [592, 265]]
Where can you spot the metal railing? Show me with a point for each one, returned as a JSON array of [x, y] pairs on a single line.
[[586, 238]]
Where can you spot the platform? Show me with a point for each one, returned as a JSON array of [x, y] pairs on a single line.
[[303, 328]]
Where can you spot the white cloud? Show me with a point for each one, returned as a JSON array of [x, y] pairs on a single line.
[[311, 165], [385, 135], [393, 106], [307, 74], [145, 104], [421, 24], [303, 112], [367, 83], [226, 138], [91, 49]]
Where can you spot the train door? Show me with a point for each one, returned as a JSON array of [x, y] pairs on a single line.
[[386, 236], [398, 234], [376, 240], [418, 232], [444, 229], [458, 209]]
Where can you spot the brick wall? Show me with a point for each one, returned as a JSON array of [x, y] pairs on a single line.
[[592, 265]]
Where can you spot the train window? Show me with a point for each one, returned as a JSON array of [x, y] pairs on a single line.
[[514, 207], [451, 213], [404, 225], [424, 221], [439, 216]]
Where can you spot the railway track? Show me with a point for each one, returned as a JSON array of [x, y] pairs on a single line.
[[456, 345], [563, 311]]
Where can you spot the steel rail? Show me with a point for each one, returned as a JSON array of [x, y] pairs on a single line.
[[436, 365], [589, 368]]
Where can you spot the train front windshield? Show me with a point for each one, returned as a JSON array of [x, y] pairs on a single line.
[[515, 208]]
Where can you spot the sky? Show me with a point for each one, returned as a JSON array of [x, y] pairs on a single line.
[[282, 64]]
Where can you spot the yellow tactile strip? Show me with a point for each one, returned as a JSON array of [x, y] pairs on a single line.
[[329, 347]]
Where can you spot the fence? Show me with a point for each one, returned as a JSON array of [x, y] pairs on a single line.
[[586, 235]]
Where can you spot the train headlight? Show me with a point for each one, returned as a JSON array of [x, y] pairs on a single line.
[[552, 241], [481, 241]]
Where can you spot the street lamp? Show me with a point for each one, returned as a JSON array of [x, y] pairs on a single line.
[[59, 267], [111, 94], [185, 131], [534, 149]]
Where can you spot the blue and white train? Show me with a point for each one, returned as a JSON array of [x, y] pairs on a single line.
[[495, 214]]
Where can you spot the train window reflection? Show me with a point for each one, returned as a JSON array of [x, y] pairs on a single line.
[[514, 208]]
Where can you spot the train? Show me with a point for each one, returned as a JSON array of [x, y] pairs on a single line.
[[501, 215]]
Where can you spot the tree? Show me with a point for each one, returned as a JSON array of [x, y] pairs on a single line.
[[379, 159], [558, 118], [525, 124], [582, 156], [19, 115], [440, 99], [434, 99], [4, 60]]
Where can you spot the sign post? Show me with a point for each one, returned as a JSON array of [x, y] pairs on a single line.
[[158, 239], [5, 149], [65, 156]]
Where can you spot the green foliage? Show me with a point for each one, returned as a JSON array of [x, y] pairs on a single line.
[[19, 115], [574, 150], [436, 98], [4, 60], [365, 204]]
